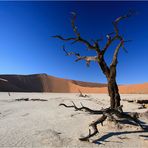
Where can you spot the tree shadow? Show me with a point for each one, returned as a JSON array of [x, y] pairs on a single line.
[[105, 137], [125, 121], [145, 136]]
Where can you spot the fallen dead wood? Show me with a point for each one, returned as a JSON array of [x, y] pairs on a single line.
[[137, 101], [142, 106], [38, 100], [27, 99], [22, 99], [142, 101], [130, 101]]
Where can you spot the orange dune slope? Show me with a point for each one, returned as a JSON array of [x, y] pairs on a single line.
[[45, 83]]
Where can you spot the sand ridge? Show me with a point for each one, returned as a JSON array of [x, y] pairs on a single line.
[[46, 83]]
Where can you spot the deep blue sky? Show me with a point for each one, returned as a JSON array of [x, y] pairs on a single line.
[[26, 45]]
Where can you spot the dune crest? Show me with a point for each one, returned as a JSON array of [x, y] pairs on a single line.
[[46, 83]]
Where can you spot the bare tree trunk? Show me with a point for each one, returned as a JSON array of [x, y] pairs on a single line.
[[113, 87], [110, 73], [114, 94]]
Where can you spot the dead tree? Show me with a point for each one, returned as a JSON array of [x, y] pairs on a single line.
[[109, 71], [81, 94], [115, 108]]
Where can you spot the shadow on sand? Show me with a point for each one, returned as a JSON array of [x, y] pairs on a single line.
[[110, 134]]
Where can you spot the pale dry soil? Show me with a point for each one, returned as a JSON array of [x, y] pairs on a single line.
[[45, 124]]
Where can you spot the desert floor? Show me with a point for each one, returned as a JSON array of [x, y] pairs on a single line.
[[46, 124]]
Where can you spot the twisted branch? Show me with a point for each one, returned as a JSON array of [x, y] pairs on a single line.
[[88, 59], [78, 38], [110, 39], [115, 23], [82, 108], [94, 126], [114, 61]]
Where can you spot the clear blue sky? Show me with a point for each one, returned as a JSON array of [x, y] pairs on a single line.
[[26, 46]]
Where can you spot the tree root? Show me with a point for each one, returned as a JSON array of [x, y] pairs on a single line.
[[86, 109], [94, 126], [109, 113]]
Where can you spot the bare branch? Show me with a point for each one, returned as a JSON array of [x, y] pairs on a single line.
[[89, 46], [79, 38], [115, 23], [75, 29], [96, 44], [114, 61], [125, 41], [64, 39], [109, 42], [88, 59], [71, 53], [116, 36]]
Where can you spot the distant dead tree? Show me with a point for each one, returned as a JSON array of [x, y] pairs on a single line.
[[115, 109], [81, 94], [8, 93]]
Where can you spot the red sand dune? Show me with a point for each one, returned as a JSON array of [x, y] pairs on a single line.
[[45, 83]]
